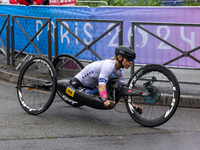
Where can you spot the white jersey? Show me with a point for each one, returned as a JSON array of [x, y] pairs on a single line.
[[99, 72]]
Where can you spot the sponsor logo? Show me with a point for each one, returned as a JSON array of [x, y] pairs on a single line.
[[70, 91]]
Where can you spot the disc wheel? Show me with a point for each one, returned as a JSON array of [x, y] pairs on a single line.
[[36, 86], [67, 66], [160, 98]]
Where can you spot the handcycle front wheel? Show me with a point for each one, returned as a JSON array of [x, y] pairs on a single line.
[[36, 86], [163, 93], [67, 66]]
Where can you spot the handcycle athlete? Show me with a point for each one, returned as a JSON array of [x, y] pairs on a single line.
[[98, 73], [153, 87]]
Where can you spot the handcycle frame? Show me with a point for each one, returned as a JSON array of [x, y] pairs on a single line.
[[95, 101], [151, 91]]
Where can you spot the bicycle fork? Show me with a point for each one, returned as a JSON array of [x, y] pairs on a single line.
[[148, 85]]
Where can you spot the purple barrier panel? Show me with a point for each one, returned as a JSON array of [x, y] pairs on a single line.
[[148, 48]]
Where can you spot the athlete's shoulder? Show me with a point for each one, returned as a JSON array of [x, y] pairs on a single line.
[[109, 64], [109, 61]]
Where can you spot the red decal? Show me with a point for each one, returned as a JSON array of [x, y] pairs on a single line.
[[130, 91]]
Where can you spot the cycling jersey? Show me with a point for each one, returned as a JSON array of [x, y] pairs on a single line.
[[99, 72]]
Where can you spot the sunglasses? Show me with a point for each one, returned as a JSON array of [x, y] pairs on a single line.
[[129, 58]]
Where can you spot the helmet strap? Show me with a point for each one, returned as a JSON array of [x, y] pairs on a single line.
[[120, 61]]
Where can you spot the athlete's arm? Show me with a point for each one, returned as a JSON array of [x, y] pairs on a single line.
[[102, 89], [106, 71]]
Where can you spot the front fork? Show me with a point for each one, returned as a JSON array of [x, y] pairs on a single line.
[[132, 92]]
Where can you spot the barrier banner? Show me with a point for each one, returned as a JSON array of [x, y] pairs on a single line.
[[148, 48]]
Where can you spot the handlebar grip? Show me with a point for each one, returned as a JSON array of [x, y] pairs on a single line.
[[111, 104], [105, 106], [139, 110]]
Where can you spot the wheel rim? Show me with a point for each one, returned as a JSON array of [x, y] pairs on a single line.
[[158, 107], [35, 88]]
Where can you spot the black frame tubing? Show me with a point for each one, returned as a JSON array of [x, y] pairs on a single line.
[[184, 53], [48, 21], [87, 47], [7, 20]]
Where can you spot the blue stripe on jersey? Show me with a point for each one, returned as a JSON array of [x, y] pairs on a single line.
[[103, 80]]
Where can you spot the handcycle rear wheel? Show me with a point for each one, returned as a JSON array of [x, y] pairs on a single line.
[[36, 86], [161, 104], [67, 66]]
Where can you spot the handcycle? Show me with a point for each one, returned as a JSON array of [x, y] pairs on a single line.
[[153, 87]]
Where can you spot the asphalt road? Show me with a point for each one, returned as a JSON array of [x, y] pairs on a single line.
[[63, 127]]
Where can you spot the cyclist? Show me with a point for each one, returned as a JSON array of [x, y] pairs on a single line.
[[98, 73]]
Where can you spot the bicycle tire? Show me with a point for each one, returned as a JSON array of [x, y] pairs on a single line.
[[33, 94], [67, 66], [161, 105]]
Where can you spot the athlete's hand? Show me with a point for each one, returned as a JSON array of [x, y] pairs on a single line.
[[138, 108], [109, 103]]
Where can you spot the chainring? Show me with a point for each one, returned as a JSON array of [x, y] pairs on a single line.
[[154, 95]]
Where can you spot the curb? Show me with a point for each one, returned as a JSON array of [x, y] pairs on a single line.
[[188, 101], [7, 76]]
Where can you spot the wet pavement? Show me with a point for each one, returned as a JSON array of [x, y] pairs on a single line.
[[64, 127]]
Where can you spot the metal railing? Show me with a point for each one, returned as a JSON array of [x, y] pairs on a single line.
[[48, 22], [183, 53], [87, 46], [3, 49], [178, 3], [92, 3]]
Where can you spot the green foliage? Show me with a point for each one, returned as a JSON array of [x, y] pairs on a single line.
[[191, 3], [133, 2], [140, 3]]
